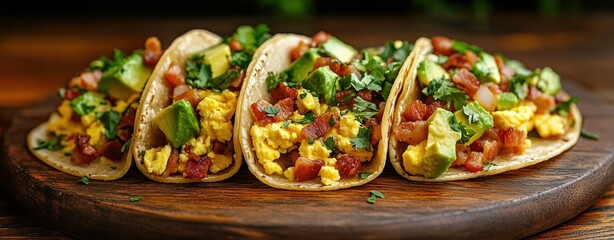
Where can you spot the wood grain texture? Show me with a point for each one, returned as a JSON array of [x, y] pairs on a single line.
[[511, 205]]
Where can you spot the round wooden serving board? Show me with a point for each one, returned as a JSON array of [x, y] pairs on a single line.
[[510, 205]]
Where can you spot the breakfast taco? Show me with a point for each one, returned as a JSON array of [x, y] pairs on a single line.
[[89, 133], [464, 113], [184, 129], [317, 115]]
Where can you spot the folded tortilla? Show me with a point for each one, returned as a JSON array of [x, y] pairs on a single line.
[[541, 149], [273, 56], [157, 95]]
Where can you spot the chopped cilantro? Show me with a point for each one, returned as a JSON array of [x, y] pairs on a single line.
[[462, 47], [516, 84], [362, 140], [488, 165], [53, 144], [371, 199], [104, 63], [444, 90], [471, 114], [273, 79], [271, 111], [589, 135], [309, 118], [364, 108], [85, 180], [363, 175], [564, 107], [110, 119], [310, 140], [303, 95], [373, 195], [386, 90], [135, 199], [126, 145], [331, 121], [86, 103], [466, 134], [199, 75], [330, 144], [286, 124], [348, 97], [241, 59], [398, 54], [251, 37]]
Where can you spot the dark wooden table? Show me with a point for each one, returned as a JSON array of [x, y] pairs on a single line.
[[37, 56]]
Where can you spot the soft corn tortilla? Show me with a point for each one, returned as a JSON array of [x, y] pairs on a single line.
[[273, 56], [157, 95], [540, 150]]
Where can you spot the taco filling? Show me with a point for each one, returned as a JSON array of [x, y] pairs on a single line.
[[473, 107], [198, 125], [95, 119], [324, 120]]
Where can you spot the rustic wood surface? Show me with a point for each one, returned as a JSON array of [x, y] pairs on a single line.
[[46, 55]]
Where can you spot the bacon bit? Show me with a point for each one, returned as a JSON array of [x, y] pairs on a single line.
[[376, 134], [180, 89], [235, 84], [258, 112], [173, 75], [466, 81], [347, 70], [235, 45], [461, 155], [191, 95], [172, 164], [472, 58], [415, 111], [326, 61], [348, 165], [83, 153], [513, 138], [291, 157], [219, 147], [494, 89], [340, 97], [306, 169], [475, 162], [282, 91], [544, 103], [442, 45], [320, 126], [152, 52], [285, 106], [491, 149], [89, 80], [112, 150], [197, 167], [71, 93], [319, 38], [533, 93], [127, 119], [457, 61], [411, 132], [431, 107], [380, 113], [365, 94], [298, 51], [125, 133]]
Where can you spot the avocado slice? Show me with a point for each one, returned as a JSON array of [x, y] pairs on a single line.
[[486, 69], [507, 100], [323, 81], [429, 71], [125, 78], [178, 122], [481, 120], [440, 150], [299, 69], [218, 57], [339, 50], [549, 82]]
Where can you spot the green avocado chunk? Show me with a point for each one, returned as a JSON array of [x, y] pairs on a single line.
[[124, 79], [323, 81], [476, 118], [299, 69], [507, 100], [549, 82], [429, 71], [218, 57], [486, 69], [440, 149], [178, 122], [339, 50]]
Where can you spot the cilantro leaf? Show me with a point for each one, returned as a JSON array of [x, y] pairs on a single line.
[[363, 175], [330, 144], [285, 125], [386, 90], [377, 194], [86, 103], [241, 59], [197, 75], [53, 144], [488, 165], [462, 47], [589, 135], [466, 134], [310, 140], [517, 84], [371, 199], [274, 79], [85, 180], [398, 54], [126, 145], [303, 95], [251, 37], [362, 140], [271, 111], [135, 199], [110, 119], [444, 90], [472, 114], [564, 107], [363, 108], [309, 118]]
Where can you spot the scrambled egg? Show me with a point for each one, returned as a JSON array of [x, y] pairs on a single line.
[[96, 132], [329, 175], [348, 129], [413, 156], [216, 110], [271, 140], [289, 173], [220, 162], [316, 150], [200, 145], [157, 158], [518, 117], [549, 125], [64, 124], [309, 103]]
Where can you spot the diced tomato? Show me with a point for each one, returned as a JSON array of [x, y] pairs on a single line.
[[235, 45], [219, 147], [471, 57], [112, 150], [306, 169], [466, 81], [282, 91], [320, 126], [415, 111], [513, 137], [475, 161], [544, 103], [334, 65], [235, 84], [71, 93], [340, 97], [348, 165], [197, 167], [442, 45], [172, 164], [411, 132], [173, 75], [191, 95], [84, 153], [319, 38], [457, 61], [152, 52], [298, 51]]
